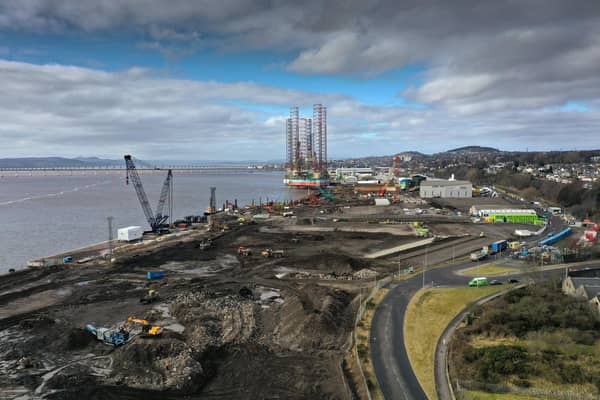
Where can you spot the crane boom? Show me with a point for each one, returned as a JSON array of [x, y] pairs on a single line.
[[154, 220], [166, 189]]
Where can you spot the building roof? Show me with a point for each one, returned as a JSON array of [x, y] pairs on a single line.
[[444, 183]]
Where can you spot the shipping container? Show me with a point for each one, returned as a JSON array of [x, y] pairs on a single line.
[[555, 238], [130, 233], [382, 202], [155, 275], [499, 246]]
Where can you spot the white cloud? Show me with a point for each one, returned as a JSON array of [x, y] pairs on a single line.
[[71, 111]]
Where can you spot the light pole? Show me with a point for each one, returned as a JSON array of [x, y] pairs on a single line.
[[110, 238], [425, 265]]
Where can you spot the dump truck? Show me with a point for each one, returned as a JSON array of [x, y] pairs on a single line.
[[271, 253]]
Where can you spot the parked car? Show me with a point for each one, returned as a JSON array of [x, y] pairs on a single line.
[[513, 280], [495, 282]]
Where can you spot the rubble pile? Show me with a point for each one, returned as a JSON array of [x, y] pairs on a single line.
[[214, 321]]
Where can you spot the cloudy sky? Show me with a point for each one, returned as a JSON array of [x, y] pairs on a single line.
[[214, 80]]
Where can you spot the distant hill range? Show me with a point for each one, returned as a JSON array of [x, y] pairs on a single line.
[[474, 149], [470, 155], [91, 162], [58, 162]]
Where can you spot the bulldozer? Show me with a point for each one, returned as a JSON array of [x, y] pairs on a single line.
[[150, 297], [147, 328]]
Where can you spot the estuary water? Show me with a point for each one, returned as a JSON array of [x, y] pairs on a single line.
[[42, 215]]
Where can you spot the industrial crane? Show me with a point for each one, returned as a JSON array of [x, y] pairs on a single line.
[[155, 220]]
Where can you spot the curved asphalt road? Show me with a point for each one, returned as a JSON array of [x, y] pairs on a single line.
[[390, 360]]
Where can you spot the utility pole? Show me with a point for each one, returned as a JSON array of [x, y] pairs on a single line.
[[425, 265], [110, 238]]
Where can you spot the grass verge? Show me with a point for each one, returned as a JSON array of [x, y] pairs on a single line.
[[489, 270], [363, 330], [428, 314], [475, 395]]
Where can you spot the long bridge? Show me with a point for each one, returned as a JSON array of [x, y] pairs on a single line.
[[145, 170]]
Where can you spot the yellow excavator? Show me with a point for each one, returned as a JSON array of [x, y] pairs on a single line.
[[147, 328]]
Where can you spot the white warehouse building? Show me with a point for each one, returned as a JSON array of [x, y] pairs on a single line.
[[446, 189]]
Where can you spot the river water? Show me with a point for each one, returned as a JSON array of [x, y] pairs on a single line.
[[45, 215]]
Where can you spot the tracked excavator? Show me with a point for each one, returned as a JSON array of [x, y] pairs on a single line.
[[147, 328]]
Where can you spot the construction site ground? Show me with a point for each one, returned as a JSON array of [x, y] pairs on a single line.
[[235, 327]]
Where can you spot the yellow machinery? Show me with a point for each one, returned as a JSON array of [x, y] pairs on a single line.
[[271, 253], [147, 328]]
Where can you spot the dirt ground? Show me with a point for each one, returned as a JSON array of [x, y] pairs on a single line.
[[235, 327], [232, 328]]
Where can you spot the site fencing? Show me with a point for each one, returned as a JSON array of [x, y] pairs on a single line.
[[545, 393], [362, 307]]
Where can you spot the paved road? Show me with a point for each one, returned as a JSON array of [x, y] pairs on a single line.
[[390, 360], [392, 367]]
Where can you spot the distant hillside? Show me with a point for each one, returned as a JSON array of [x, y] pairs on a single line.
[[474, 149], [41, 162], [95, 161]]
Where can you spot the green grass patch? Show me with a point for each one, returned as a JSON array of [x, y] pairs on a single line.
[[428, 314], [476, 395], [490, 270]]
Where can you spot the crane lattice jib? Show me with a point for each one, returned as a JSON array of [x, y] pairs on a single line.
[[159, 217], [141, 194]]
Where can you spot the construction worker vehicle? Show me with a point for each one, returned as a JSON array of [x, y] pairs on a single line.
[[244, 251], [150, 297], [108, 336], [267, 253], [205, 244], [147, 328]]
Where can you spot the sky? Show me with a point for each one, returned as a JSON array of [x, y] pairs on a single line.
[[214, 80]]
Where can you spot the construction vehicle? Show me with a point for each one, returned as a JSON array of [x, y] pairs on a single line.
[[205, 244], [157, 219], [108, 336], [267, 253], [150, 297], [480, 255], [244, 251], [326, 195], [147, 328]]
